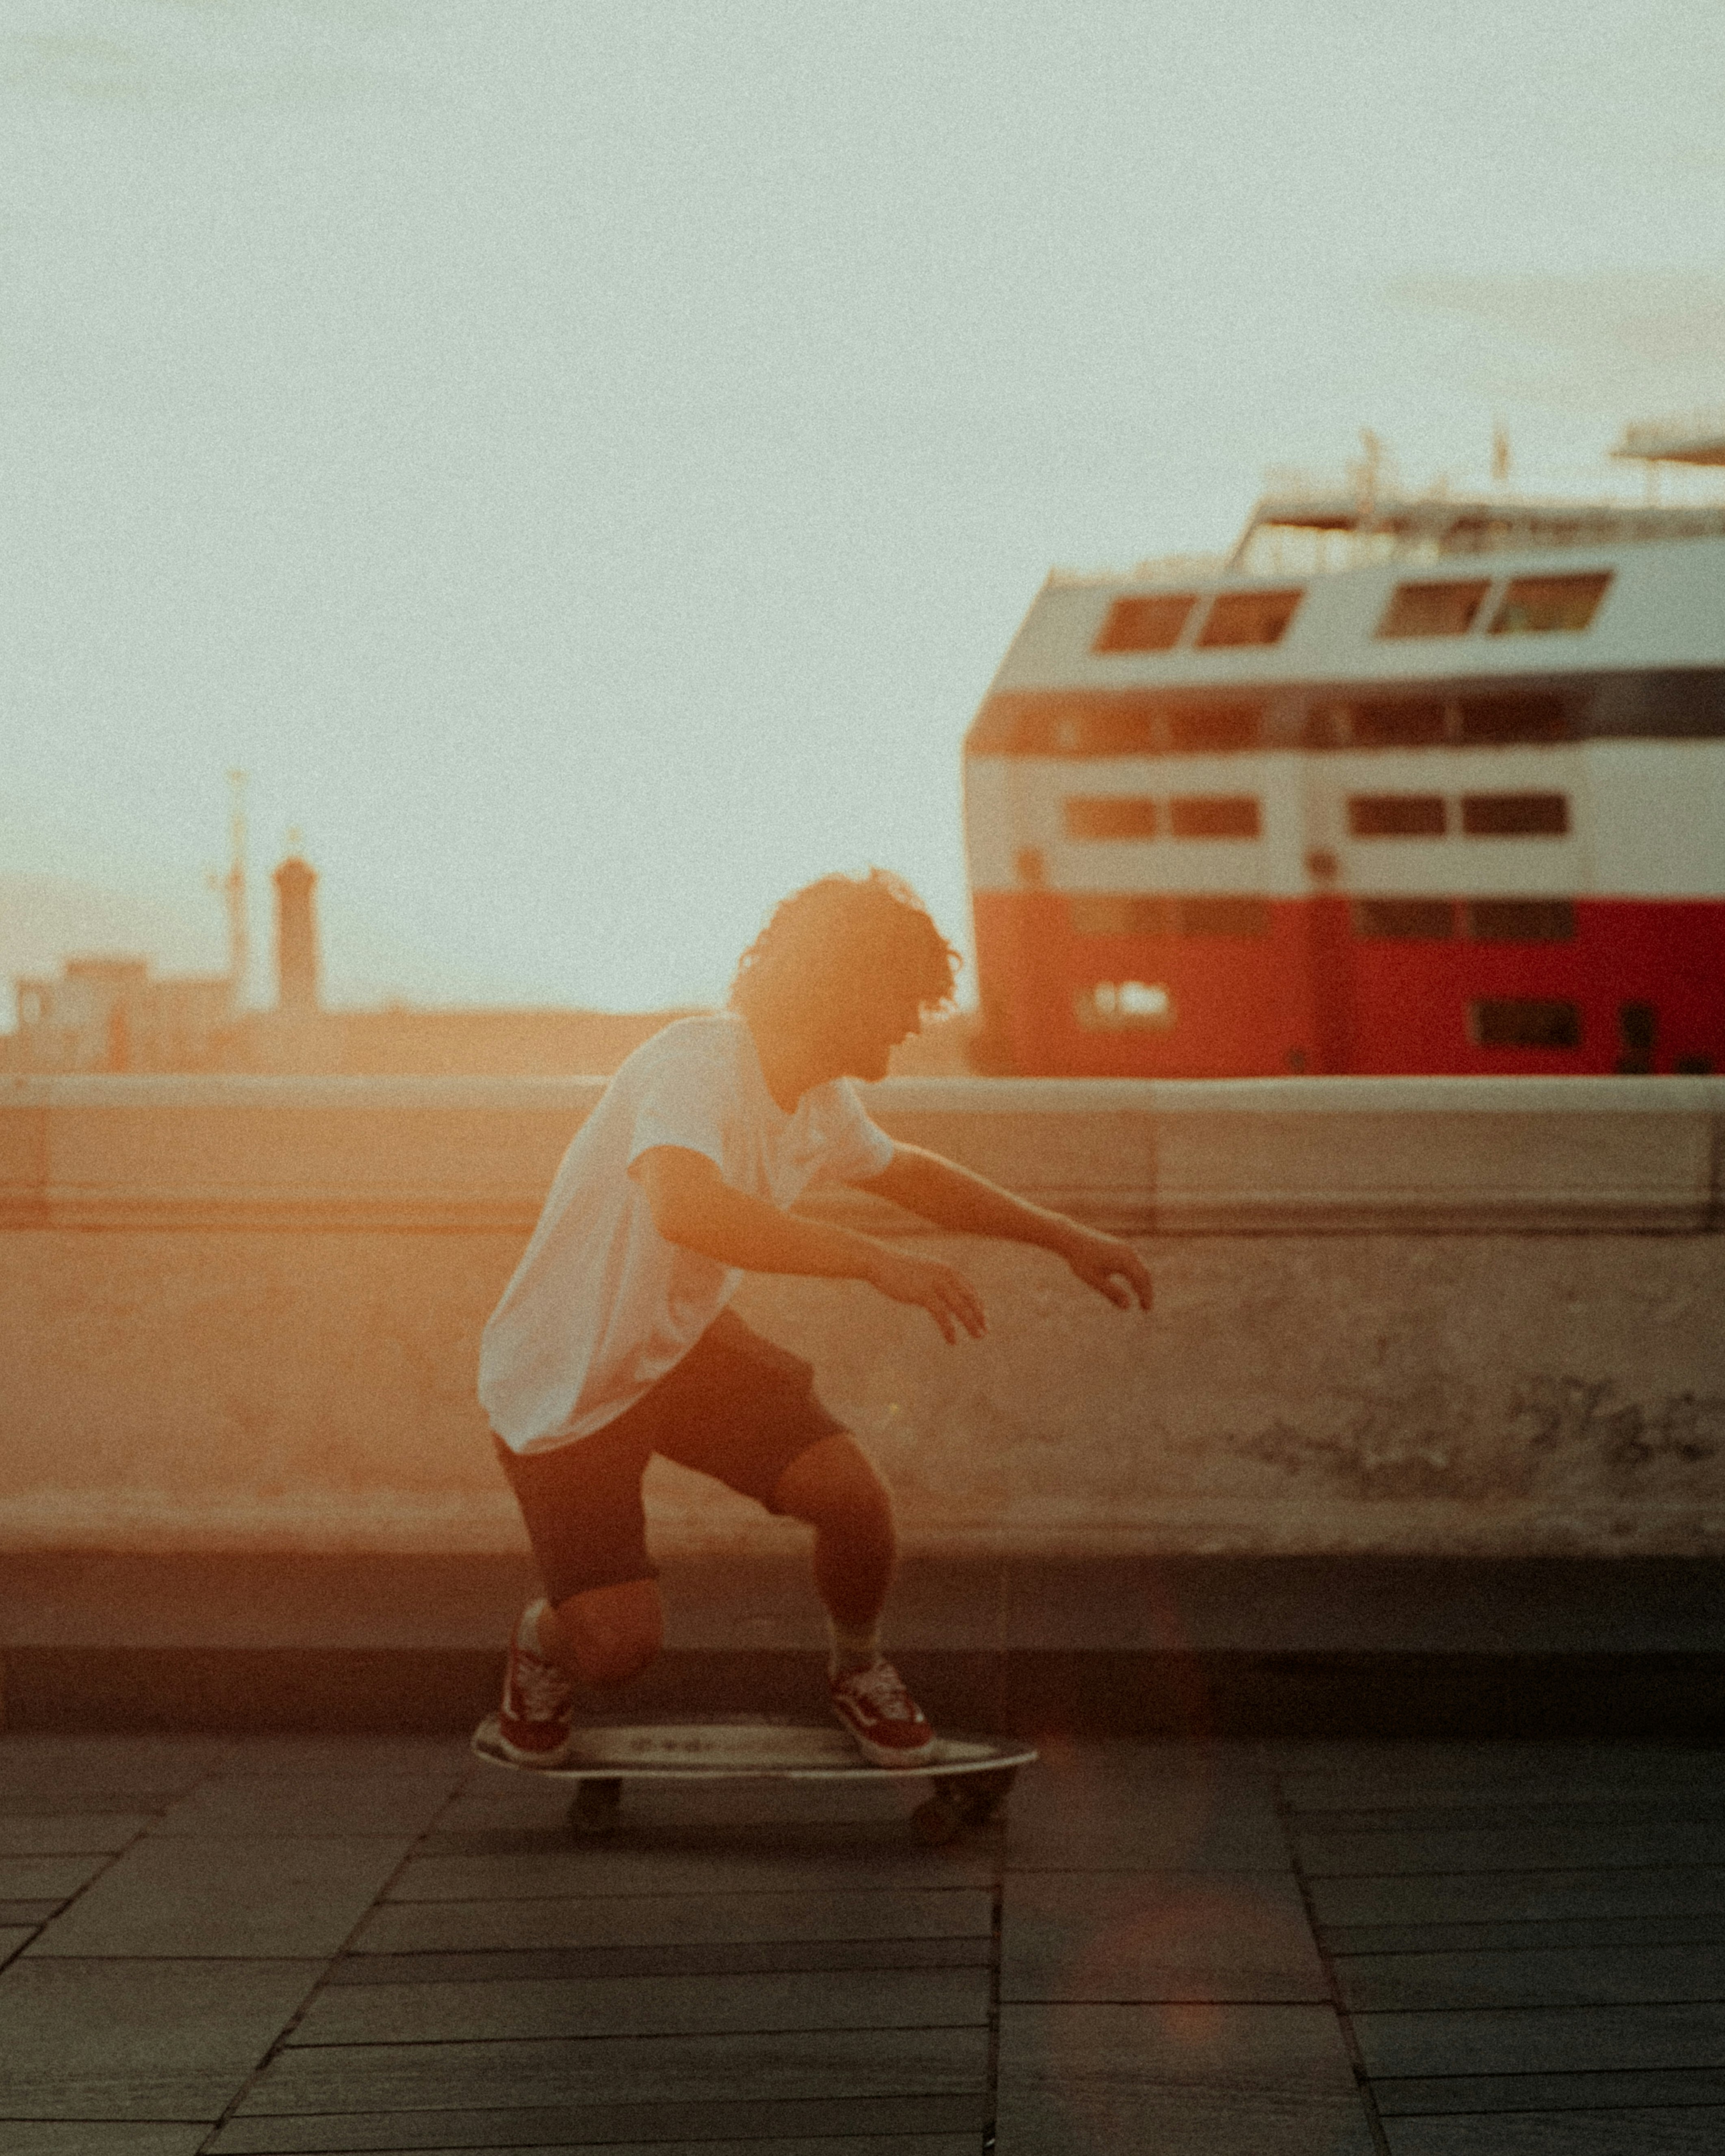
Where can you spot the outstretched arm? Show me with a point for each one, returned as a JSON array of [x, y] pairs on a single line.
[[955, 1197], [694, 1206]]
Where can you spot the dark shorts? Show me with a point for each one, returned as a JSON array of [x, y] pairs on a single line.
[[736, 1408]]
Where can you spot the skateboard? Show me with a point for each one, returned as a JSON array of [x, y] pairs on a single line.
[[968, 1777]]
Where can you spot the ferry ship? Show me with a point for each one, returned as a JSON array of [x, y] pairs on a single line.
[[1450, 801]]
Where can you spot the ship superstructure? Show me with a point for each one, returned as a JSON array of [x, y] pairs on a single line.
[[1449, 800]]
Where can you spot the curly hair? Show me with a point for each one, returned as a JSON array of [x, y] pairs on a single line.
[[839, 936]]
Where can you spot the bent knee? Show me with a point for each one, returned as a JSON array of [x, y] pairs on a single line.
[[835, 1484], [611, 1633]]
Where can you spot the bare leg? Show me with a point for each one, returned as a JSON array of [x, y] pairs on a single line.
[[606, 1635], [833, 1487]]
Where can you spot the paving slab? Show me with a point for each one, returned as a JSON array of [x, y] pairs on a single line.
[[354, 1758], [1133, 1808], [1554, 1976], [1484, 1848], [536, 1873], [75, 1834], [431, 2013], [1669, 1930], [1184, 1834], [596, 1920], [1543, 2040], [1519, 1896], [1216, 1763], [129, 1766], [87, 2136], [262, 1899], [929, 2123], [47, 1878], [64, 1803], [762, 1956], [790, 1968], [1150, 1935], [867, 2144], [1489, 2095], [1184, 2081], [1623, 1814], [1129, 2119], [1365, 1772], [1700, 2132], [116, 2040], [836, 2066], [391, 1806]]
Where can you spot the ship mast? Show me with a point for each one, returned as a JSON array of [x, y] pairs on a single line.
[[234, 895]]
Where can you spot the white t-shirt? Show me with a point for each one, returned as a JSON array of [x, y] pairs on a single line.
[[601, 1304]]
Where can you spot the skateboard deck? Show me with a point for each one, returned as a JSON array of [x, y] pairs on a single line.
[[967, 1776]]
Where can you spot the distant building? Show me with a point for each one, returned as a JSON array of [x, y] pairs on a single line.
[[107, 1013]]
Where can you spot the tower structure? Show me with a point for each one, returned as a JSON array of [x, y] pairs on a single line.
[[297, 968]]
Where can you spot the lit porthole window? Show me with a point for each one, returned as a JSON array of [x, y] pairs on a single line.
[[1113, 1006]]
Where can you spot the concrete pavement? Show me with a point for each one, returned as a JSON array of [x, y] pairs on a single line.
[[329, 1943]]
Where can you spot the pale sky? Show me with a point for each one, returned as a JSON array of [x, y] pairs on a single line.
[[585, 463]]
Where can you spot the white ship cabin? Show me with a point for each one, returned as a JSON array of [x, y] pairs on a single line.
[[1463, 659], [1399, 594]]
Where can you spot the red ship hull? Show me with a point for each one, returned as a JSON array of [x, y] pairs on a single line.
[[1640, 985]]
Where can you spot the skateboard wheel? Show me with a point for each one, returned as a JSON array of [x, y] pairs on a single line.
[[938, 1821], [956, 1802], [595, 1805], [981, 1796]]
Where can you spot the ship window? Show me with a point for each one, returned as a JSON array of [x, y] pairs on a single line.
[[1225, 917], [1062, 726], [1522, 921], [1408, 920], [1536, 606], [1214, 816], [1150, 623], [1515, 815], [1433, 609], [1396, 815], [1416, 722], [1108, 1005], [1637, 1033], [1490, 720], [1121, 913], [1142, 913], [1110, 816], [1238, 618], [1524, 1022], [1206, 726]]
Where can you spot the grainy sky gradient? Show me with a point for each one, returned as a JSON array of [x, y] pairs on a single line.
[[586, 462]]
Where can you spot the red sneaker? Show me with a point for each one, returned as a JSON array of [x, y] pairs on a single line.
[[885, 1722], [536, 1720]]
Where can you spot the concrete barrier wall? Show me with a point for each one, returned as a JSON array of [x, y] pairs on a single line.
[[1396, 1316]]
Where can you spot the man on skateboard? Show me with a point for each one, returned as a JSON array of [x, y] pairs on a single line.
[[614, 1340]]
